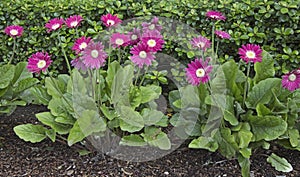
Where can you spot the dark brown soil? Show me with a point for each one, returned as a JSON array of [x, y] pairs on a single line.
[[19, 158]]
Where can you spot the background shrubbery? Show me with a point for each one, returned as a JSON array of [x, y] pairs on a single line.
[[271, 24]]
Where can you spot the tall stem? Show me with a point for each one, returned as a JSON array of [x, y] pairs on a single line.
[[99, 88], [137, 76], [13, 54], [64, 53], [213, 43], [246, 84], [146, 70]]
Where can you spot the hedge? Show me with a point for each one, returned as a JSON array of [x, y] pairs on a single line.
[[271, 24]]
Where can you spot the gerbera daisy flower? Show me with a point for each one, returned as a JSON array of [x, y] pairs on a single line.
[[38, 62], [198, 71], [215, 15], [251, 53], [118, 39], [134, 36], [93, 56], [73, 21], [14, 30], [78, 63], [201, 42], [54, 24], [80, 44], [222, 34], [154, 40], [141, 55], [291, 81], [153, 25], [110, 20]]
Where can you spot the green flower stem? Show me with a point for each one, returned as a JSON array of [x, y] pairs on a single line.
[[99, 88], [137, 76], [146, 70], [213, 43], [64, 53], [246, 84], [92, 83], [119, 55], [14, 50], [217, 48]]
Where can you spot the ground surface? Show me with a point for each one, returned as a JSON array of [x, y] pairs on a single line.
[[19, 158]]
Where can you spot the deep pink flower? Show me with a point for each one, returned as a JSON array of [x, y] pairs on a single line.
[[134, 36], [93, 56], [80, 44], [291, 81], [141, 55], [73, 21], [215, 15], [14, 30], [54, 24], [78, 63], [222, 34], [152, 26], [118, 40], [198, 71], [38, 62], [251, 53], [110, 20], [153, 39], [201, 43]]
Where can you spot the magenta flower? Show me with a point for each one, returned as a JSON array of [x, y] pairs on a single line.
[[251, 53], [54, 24], [198, 71], [201, 43], [152, 26], [215, 15], [110, 20], [80, 44], [291, 81], [153, 39], [14, 30], [134, 36], [222, 34], [39, 62], [118, 40], [73, 21], [78, 63], [93, 56], [142, 55]]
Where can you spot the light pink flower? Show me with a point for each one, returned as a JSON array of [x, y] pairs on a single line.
[[198, 71], [110, 20], [141, 55], [222, 34], [14, 30], [291, 81], [201, 43], [78, 63], [54, 24], [38, 62], [153, 39], [134, 36], [73, 21], [118, 40], [93, 56], [251, 53], [215, 15], [80, 44], [152, 26]]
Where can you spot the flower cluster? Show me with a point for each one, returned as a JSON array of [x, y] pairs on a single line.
[[57, 23]]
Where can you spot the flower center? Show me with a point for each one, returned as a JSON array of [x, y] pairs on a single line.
[[151, 43], [292, 77], [94, 53], [41, 64], [110, 22], [119, 41], [200, 72], [152, 27], [250, 54], [142, 54], [82, 46], [13, 32], [74, 23], [214, 16], [201, 44], [55, 26], [134, 37]]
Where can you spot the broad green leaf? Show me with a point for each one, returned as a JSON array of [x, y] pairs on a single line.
[[244, 138], [267, 127], [48, 119], [78, 83], [66, 119], [55, 87], [130, 120], [262, 110], [279, 163], [264, 69], [151, 117], [227, 143], [91, 122], [6, 75], [21, 72], [51, 134], [133, 140], [174, 96], [245, 165], [109, 114], [294, 137], [111, 72], [82, 102], [150, 92], [30, 132], [57, 107], [204, 143], [262, 92], [25, 84], [246, 152], [163, 122], [75, 134], [155, 137], [36, 94]]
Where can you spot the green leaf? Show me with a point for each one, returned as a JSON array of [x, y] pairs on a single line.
[[51, 134], [151, 117], [155, 137], [109, 114], [113, 67], [149, 93], [264, 69], [227, 144], [133, 140], [204, 143], [279, 163], [75, 134], [55, 87], [48, 119], [30, 132], [245, 165], [190, 54], [284, 10], [244, 138], [294, 137], [130, 120], [21, 72], [91, 122], [6, 75], [262, 110], [36, 94], [25, 84]]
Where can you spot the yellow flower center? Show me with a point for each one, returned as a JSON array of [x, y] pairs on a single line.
[[74, 23], [142, 54], [41, 64], [110, 22], [13, 32], [119, 41], [134, 37], [200, 72], [292, 77], [82, 45], [151, 43], [55, 26], [94, 53], [201, 44], [250, 54]]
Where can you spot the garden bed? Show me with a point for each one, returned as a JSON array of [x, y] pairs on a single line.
[[19, 158]]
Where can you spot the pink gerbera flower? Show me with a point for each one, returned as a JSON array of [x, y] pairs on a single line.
[[291, 81], [73, 21], [14, 30], [215, 15], [54, 24], [251, 53], [198, 71], [222, 34], [110, 20], [152, 26], [78, 63], [154, 40], [80, 44], [118, 40], [94, 55], [201, 42], [134, 36], [39, 62], [141, 55]]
